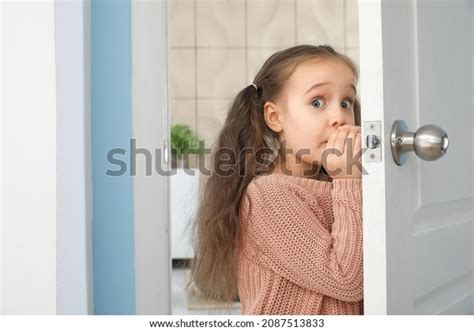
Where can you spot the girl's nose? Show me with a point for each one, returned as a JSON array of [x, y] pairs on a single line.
[[338, 116]]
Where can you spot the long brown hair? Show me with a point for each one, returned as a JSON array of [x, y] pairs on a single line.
[[216, 232]]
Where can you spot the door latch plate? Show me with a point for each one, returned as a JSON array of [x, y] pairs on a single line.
[[372, 143]]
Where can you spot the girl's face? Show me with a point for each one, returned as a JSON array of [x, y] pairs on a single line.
[[318, 98]]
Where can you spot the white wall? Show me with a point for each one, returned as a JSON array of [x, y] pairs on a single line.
[[28, 235], [1, 163], [74, 196]]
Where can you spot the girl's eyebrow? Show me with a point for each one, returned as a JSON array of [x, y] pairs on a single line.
[[352, 86]]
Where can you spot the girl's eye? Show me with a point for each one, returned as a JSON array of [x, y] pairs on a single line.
[[350, 103], [317, 103]]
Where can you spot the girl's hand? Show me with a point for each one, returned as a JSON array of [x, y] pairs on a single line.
[[341, 153]]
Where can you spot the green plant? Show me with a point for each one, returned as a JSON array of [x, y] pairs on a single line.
[[184, 141]]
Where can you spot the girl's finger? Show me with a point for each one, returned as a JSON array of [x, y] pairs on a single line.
[[357, 143], [350, 126], [351, 138], [341, 140], [332, 139], [354, 127]]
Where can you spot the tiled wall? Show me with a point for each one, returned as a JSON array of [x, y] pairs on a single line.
[[217, 47]]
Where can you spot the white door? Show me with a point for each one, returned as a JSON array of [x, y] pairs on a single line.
[[151, 131], [416, 66]]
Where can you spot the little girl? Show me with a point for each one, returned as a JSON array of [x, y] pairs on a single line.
[[279, 222]]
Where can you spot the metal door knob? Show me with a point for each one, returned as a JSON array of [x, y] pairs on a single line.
[[429, 142]]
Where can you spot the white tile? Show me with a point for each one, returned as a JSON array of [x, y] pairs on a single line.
[[271, 23], [221, 23], [321, 22], [181, 23], [256, 57], [211, 117], [220, 72], [183, 111], [182, 73], [352, 23]]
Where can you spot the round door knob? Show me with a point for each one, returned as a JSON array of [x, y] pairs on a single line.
[[429, 142]]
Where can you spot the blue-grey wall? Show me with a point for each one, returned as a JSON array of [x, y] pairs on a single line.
[[111, 125]]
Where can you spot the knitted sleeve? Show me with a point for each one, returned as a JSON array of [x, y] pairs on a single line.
[[298, 247]]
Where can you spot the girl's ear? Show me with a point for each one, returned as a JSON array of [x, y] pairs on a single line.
[[273, 116]]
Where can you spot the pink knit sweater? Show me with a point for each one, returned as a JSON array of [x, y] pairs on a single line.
[[302, 247]]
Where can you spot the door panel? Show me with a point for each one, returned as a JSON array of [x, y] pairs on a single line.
[[416, 66]]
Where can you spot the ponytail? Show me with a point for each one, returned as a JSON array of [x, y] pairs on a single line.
[[239, 154]]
